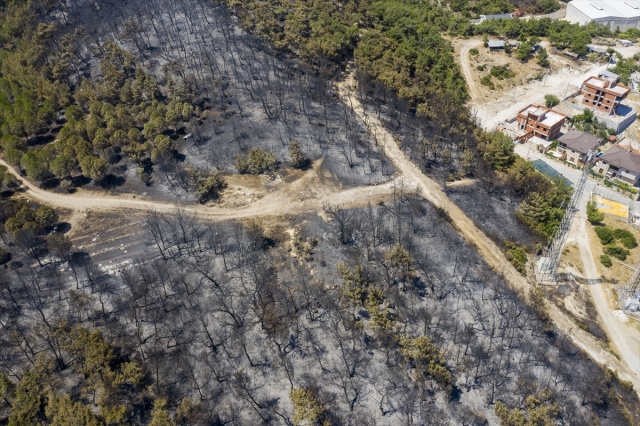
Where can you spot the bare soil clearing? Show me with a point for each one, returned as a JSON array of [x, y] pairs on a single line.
[[486, 59], [492, 107]]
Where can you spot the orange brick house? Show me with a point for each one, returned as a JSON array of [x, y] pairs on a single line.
[[604, 92], [543, 122]]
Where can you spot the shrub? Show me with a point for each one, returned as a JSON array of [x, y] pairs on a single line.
[[593, 214], [605, 234], [517, 255], [307, 408], [626, 238], [474, 52], [481, 68], [486, 81], [606, 261], [551, 100], [502, 72], [258, 161], [617, 252], [297, 157]]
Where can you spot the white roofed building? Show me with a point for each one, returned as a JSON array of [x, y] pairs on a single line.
[[616, 14]]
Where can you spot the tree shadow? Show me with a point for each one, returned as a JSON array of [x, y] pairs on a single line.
[[50, 183], [111, 181], [78, 258], [63, 227], [80, 180], [42, 139]]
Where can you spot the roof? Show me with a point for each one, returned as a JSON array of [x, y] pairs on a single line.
[[546, 116], [495, 43], [620, 157], [608, 84], [608, 74], [596, 49], [579, 141], [608, 9], [500, 16]]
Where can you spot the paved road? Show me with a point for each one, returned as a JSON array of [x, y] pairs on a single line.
[[529, 152]]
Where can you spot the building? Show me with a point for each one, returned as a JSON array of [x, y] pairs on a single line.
[[542, 122], [625, 43], [575, 144], [620, 163], [615, 14], [596, 49], [634, 79], [494, 45], [492, 17], [604, 92]]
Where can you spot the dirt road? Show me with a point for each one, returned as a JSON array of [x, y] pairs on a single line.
[[305, 195], [465, 65], [620, 334], [485, 246]]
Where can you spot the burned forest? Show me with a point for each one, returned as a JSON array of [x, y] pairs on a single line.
[[203, 222]]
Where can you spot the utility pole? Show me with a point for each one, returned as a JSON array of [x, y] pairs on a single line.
[[548, 265]]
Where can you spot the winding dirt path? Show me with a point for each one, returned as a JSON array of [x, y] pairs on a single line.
[[465, 66], [491, 253]]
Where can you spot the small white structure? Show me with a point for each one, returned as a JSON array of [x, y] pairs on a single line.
[[634, 80], [625, 43], [189, 136], [615, 14]]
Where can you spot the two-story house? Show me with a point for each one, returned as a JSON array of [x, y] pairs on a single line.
[[620, 163], [542, 122], [575, 144]]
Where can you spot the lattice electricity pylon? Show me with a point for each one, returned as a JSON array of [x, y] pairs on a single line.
[[549, 264]]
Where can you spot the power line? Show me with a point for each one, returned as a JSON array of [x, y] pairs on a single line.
[[548, 265]]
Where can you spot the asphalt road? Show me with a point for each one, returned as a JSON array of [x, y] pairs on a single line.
[[529, 152]]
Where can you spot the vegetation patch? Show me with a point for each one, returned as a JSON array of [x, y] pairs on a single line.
[[256, 162], [517, 255], [501, 72]]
